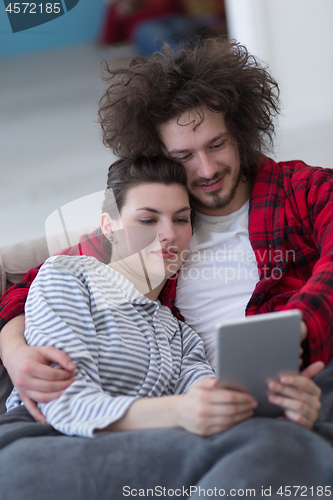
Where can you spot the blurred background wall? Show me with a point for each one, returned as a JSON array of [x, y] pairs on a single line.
[[295, 38], [77, 26], [51, 148]]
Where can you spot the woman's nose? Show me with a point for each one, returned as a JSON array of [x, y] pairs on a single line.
[[167, 233]]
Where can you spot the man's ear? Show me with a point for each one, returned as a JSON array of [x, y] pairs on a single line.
[[107, 226]]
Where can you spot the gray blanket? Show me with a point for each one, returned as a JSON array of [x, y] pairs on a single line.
[[257, 458]]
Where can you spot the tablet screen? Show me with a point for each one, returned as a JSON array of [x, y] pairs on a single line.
[[255, 348]]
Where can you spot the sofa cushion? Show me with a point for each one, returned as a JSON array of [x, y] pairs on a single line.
[[17, 259]]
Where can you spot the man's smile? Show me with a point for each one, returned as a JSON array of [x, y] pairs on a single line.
[[212, 186]]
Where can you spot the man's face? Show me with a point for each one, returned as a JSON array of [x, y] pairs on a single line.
[[210, 158]]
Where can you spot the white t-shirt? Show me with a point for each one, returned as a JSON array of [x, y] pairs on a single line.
[[218, 276]]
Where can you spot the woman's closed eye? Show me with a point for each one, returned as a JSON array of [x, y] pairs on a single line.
[[147, 221], [182, 220], [179, 220]]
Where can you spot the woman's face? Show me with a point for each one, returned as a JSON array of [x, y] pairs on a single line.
[[155, 219]]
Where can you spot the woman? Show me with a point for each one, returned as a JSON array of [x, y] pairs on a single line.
[[135, 361]]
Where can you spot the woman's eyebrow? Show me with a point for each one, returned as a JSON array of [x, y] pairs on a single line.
[[184, 209], [149, 209]]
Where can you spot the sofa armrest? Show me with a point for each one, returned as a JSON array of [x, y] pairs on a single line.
[[17, 259]]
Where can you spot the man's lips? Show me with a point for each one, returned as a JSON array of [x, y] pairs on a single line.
[[212, 186]]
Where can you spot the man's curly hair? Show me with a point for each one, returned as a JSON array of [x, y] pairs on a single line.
[[217, 73]]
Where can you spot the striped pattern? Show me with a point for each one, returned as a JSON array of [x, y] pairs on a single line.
[[124, 345]]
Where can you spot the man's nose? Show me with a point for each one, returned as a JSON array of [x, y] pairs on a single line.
[[206, 166]]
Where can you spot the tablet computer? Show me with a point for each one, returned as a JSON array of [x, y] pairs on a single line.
[[252, 349]]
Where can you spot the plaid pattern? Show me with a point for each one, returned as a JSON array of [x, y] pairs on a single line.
[[291, 232]]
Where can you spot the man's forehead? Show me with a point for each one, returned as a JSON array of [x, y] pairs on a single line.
[[192, 118], [196, 123]]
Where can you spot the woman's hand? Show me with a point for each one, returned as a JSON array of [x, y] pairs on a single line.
[[207, 409], [298, 395]]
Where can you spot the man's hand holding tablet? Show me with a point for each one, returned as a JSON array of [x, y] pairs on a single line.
[[259, 355]]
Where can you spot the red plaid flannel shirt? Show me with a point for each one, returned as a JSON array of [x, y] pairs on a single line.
[[291, 232]]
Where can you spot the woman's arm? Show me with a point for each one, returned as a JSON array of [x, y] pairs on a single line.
[[29, 367], [206, 409], [203, 410], [58, 317]]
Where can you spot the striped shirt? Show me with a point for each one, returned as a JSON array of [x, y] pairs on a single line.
[[124, 345]]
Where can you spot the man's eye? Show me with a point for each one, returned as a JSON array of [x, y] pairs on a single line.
[[183, 158], [217, 146]]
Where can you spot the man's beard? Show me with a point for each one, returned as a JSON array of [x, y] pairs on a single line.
[[216, 201]]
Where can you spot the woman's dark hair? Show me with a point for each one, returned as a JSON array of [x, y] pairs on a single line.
[[216, 73], [129, 172]]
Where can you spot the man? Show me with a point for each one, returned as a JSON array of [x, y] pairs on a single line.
[[212, 109]]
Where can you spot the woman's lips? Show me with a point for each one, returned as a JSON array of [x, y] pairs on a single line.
[[164, 254], [212, 187]]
